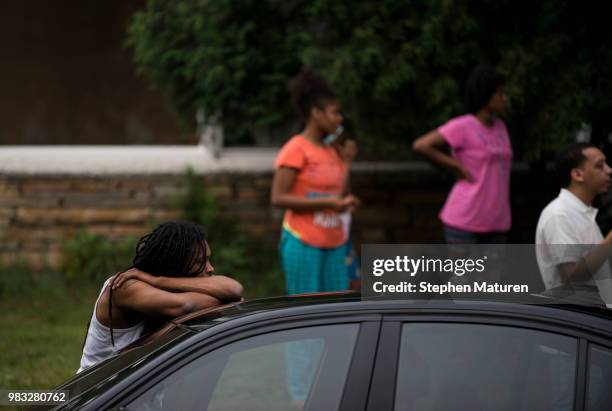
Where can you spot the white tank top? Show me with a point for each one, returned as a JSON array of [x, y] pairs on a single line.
[[98, 345]]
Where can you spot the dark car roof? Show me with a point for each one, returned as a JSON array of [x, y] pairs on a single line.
[[353, 301], [92, 382], [593, 318]]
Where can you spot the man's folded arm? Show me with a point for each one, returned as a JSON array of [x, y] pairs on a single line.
[[218, 286], [147, 299], [577, 262], [587, 268]]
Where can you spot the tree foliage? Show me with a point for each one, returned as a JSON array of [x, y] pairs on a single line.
[[398, 65]]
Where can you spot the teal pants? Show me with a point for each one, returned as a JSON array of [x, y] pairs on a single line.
[[308, 270], [311, 269]]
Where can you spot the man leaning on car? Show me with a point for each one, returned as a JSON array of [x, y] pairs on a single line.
[[171, 275]]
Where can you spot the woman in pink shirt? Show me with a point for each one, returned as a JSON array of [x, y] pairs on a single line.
[[477, 210]]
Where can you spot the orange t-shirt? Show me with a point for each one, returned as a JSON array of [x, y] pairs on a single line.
[[320, 174]]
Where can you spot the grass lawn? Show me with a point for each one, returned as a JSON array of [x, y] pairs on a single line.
[[41, 332], [44, 319]]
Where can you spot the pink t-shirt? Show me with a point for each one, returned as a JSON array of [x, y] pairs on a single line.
[[482, 205]]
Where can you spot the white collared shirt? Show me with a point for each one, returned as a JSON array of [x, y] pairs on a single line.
[[567, 227]]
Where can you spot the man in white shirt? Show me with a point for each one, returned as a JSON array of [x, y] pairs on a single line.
[[572, 254]]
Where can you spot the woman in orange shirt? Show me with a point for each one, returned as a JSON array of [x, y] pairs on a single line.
[[309, 184]]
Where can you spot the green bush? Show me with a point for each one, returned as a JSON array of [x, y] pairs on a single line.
[[90, 257], [16, 279], [19, 280], [399, 66]]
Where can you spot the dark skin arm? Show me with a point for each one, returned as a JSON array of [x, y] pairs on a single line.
[[346, 189], [346, 185], [432, 146], [284, 179], [585, 268], [141, 297], [218, 286]]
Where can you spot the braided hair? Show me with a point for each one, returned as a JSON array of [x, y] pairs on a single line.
[[308, 90], [173, 249]]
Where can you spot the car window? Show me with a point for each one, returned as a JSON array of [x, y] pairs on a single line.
[[599, 395], [443, 366], [286, 370]]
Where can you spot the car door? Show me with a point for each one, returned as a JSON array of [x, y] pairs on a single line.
[[483, 362], [598, 395], [302, 365]]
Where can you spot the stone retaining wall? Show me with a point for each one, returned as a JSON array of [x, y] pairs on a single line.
[[39, 212]]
